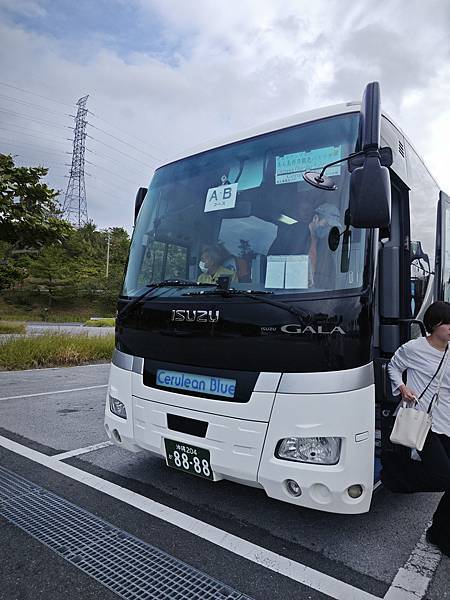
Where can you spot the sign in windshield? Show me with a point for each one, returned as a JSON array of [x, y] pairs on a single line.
[[243, 215]]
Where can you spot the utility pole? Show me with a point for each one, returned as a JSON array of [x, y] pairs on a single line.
[[75, 204], [107, 254]]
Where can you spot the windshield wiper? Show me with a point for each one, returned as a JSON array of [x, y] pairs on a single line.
[[255, 295], [153, 286]]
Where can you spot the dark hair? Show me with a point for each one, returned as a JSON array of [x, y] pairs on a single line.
[[436, 314], [217, 253]]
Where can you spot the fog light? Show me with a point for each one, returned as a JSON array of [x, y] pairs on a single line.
[[355, 491], [117, 407], [313, 450], [116, 436], [293, 488]]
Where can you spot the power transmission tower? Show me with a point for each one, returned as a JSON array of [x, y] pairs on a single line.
[[75, 204]]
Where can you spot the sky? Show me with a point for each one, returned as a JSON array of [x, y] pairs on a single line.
[[166, 75]]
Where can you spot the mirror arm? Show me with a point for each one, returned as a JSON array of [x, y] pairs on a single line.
[[339, 161], [418, 322]]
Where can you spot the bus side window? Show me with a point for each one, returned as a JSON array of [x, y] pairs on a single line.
[[420, 273], [423, 192]]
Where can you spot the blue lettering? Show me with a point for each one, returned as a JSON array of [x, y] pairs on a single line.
[[188, 381]]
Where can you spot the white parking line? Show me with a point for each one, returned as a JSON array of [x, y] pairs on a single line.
[[79, 451], [413, 579], [307, 576], [91, 387]]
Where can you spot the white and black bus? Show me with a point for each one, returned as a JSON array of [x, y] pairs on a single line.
[[269, 369]]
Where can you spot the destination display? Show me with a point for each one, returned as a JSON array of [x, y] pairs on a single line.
[[216, 386]]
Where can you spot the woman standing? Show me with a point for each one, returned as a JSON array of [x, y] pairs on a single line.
[[423, 358]]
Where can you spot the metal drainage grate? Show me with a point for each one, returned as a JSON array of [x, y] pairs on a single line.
[[123, 563]]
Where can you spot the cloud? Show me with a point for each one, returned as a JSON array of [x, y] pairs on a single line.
[[24, 8], [199, 70]]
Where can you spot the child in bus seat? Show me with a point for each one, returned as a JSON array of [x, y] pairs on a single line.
[[211, 265]]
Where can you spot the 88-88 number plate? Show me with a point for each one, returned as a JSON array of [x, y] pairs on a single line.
[[189, 459]]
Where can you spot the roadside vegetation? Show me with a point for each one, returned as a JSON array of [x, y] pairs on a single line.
[[54, 350], [12, 327], [49, 269]]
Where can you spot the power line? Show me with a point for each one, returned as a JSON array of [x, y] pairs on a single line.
[[111, 172], [55, 139], [103, 191], [38, 137], [26, 146], [116, 150], [126, 143], [35, 94], [32, 104], [145, 142], [22, 116], [111, 184], [114, 159]]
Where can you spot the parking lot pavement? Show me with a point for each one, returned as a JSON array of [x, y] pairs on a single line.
[[365, 551], [59, 408]]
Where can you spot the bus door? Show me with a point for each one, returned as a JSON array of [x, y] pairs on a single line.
[[442, 266], [394, 314]]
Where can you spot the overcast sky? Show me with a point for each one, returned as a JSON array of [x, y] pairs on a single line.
[[164, 75]]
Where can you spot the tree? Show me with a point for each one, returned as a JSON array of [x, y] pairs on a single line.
[[29, 213], [28, 217]]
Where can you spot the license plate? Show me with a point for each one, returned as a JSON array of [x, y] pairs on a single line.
[[189, 459]]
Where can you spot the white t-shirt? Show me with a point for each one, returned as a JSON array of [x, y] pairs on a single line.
[[421, 360]]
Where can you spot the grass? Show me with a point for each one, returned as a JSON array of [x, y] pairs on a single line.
[[100, 322], [56, 314], [54, 350], [12, 327]]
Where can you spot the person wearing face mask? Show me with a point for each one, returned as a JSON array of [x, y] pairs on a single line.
[[211, 266], [321, 258]]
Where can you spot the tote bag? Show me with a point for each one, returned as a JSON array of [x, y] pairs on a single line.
[[411, 425]]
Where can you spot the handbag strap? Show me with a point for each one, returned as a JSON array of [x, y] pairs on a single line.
[[435, 398], [435, 373]]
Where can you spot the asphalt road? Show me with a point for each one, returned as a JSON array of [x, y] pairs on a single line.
[[56, 416]]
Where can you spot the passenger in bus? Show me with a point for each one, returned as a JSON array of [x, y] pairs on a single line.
[[296, 237], [425, 359], [211, 266], [322, 260]]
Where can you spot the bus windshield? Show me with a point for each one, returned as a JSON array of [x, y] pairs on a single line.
[[243, 211]]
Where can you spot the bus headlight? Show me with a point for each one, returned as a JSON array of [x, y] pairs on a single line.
[[313, 450], [117, 407]]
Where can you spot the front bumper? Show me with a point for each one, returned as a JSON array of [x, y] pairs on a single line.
[[243, 450]]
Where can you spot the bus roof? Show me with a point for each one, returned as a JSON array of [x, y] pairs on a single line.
[[283, 123]]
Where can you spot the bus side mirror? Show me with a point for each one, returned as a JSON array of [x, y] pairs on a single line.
[[140, 195], [370, 188], [370, 193]]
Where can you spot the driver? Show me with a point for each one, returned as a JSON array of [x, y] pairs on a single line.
[[211, 265]]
